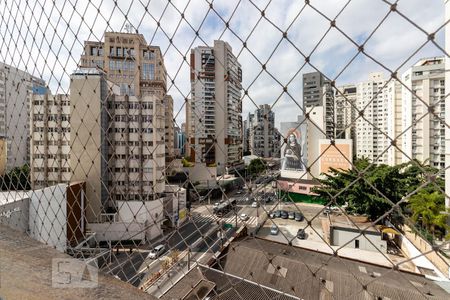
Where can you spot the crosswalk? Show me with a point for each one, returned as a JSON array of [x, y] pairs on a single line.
[[209, 218]]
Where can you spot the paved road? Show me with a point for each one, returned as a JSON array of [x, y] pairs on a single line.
[[127, 265], [133, 266]]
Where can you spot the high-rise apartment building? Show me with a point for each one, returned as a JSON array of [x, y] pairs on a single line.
[[214, 111], [136, 67], [50, 140], [16, 90], [371, 132], [117, 142], [262, 132], [246, 134], [169, 135], [345, 97], [424, 136], [377, 119], [395, 121], [317, 91]]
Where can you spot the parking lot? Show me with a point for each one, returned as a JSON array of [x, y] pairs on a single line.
[[288, 228]]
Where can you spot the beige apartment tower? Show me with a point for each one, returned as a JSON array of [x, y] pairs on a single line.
[[136, 67], [117, 143], [214, 111], [50, 140]]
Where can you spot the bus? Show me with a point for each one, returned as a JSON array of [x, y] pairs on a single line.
[[224, 207]]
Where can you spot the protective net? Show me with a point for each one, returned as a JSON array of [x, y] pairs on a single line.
[[231, 149]]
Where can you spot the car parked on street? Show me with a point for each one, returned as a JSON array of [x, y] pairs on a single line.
[[284, 214], [255, 204], [277, 214], [298, 217], [157, 251], [274, 230], [291, 215], [301, 234]]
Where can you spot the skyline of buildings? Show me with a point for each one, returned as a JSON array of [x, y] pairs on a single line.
[[388, 112]]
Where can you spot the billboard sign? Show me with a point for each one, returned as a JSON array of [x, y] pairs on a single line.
[[294, 151], [337, 156]]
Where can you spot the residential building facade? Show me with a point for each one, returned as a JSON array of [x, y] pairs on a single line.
[[317, 91], [372, 128], [246, 134], [136, 67], [119, 149], [169, 136], [16, 90], [214, 111], [50, 140], [261, 133], [345, 115], [424, 112]]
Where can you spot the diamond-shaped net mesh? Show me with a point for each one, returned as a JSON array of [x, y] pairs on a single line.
[[232, 149]]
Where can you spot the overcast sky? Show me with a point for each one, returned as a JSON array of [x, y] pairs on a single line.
[[47, 40]]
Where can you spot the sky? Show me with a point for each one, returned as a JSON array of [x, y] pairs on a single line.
[[46, 39]]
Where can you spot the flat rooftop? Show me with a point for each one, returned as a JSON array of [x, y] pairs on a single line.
[[26, 273]]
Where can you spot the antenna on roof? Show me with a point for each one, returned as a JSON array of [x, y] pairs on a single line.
[[129, 28]]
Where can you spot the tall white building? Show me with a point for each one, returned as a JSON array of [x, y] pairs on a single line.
[[50, 140], [424, 137], [374, 132], [214, 111], [16, 90], [345, 97], [317, 91]]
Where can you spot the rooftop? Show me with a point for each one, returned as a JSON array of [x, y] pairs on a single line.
[[310, 275], [26, 269]]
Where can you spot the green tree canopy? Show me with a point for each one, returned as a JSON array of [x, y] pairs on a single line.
[[256, 166], [373, 189]]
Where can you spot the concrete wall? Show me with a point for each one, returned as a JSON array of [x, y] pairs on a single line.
[[48, 216], [136, 220], [118, 231], [340, 237], [85, 156], [424, 247], [202, 174], [15, 213]]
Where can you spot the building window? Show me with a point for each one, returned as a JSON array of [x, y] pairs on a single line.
[[94, 51], [148, 71], [119, 51]]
